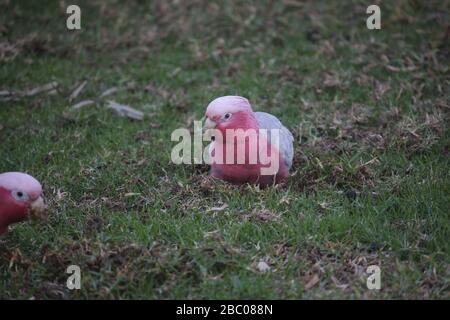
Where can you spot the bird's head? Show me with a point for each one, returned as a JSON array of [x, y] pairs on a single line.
[[230, 112], [20, 198]]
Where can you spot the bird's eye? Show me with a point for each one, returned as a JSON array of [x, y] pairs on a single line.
[[227, 116], [19, 195]]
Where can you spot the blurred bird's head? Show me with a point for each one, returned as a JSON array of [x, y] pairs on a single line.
[[20, 198]]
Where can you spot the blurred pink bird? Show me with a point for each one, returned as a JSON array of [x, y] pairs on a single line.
[[20, 197], [234, 112]]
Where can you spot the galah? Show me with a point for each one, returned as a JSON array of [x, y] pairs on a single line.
[[20, 198], [235, 114]]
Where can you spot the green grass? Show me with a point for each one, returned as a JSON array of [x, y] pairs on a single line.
[[369, 111]]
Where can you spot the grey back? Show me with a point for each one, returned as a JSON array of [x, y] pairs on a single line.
[[286, 147]]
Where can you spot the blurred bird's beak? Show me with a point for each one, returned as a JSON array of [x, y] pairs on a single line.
[[37, 209], [209, 124]]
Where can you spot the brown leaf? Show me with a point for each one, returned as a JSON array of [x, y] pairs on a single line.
[[331, 80], [311, 281]]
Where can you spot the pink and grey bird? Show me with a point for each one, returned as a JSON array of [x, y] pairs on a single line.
[[20, 198], [235, 114]]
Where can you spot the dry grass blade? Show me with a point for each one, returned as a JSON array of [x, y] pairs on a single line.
[[262, 214], [125, 111], [83, 104], [6, 93], [109, 92], [218, 209], [47, 87], [77, 91]]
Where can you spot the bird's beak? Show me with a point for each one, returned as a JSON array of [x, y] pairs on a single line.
[[209, 124], [37, 209]]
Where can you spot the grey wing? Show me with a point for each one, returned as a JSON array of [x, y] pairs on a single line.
[[286, 143]]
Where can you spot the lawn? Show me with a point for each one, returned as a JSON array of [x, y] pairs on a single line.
[[369, 110]]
